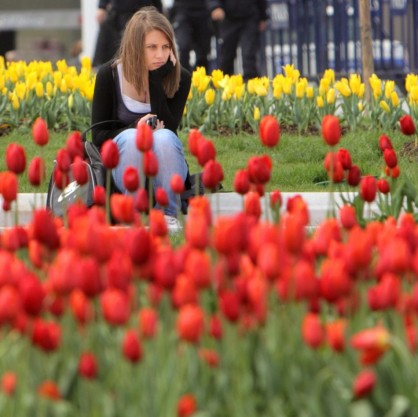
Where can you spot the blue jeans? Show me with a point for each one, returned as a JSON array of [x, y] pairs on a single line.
[[170, 155]]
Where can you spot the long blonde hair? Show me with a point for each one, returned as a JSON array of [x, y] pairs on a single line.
[[132, 50]]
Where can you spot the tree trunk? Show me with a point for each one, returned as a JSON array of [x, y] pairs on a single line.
[[366, 45]]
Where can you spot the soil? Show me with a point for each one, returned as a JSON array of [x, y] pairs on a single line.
[[410, 151]]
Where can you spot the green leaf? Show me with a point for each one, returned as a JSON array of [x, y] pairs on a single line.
[[361, 408]]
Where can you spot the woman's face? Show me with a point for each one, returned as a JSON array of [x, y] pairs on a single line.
[[157, 49]]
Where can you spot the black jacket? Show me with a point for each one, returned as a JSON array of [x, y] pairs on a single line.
[[190, 4], [239, 9], [129, 6]]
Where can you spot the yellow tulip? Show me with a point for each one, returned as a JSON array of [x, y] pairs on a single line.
[[384, 106], [210, 96], [217, 76], [331, 96], [413, 94], [70, 101], [203, 84], [309, 92], [251, 86], [39, 89], [287, 85], [389, 88], [277, 91], [63, 86], [320, 102], [239, 91], [411, 80], [15, 102], [300, 89], [343, 88], [49, 89], [20, 89], [256, 113], [355, 84], [360, 106], [394, 99], [261, 90], [329, 75], [86, 62]]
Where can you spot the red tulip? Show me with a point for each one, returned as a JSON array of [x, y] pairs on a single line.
[[8, 186], [252, 204], [161, 197], [115, 306], [348, 217], [150, 164], [9, 304], [229, 305], [190, 323], [242, 181], [390, 158], [15, 158], [79, 171], [74, 145], [209, 356], [80, 306], [177, 183], [122, 208], [8, 382], [269, 131], [148, 320], [40, 132], [131, 179], [32, 295], [354, 176], [131, 346], [215, 327], [36, 171], [186, 405], [205, 151], [193, 140], [383, 186], [63, 160], [276, 200], [368, 188], [141, 202], [331, 130], [138, 245], [110, 154], [312, 330], [87, 365], [344, 156], [373, 342], [49, 389], [407, 125], [46, 335], [143, 137], [212, 174], [385, 143], [364, 383], [44, 229], [61, 179], [335, 332], [259, 169], [99, 195]]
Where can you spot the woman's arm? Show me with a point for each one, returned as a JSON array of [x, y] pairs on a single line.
[[169, 110]]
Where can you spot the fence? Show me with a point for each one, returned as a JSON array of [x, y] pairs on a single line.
[[318, 34]]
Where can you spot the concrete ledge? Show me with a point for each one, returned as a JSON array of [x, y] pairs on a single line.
[[223, 204]]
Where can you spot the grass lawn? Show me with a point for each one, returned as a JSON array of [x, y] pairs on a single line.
[[297, 160]]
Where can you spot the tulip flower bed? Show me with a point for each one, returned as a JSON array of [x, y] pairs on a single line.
[[61, 94], [242, 316]]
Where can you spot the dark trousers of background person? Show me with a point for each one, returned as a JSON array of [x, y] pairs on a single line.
[[109, 37], [193, 33], [244, 33]]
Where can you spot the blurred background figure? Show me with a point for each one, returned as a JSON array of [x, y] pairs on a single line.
[[192, 26], [239, 23], [112, 16]]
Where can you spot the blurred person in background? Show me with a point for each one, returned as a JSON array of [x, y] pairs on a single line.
[[239, 23], [192, 26], [112, 16]]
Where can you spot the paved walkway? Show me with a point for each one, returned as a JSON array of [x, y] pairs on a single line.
[[221, 203]]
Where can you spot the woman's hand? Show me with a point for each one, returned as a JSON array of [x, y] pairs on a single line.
[[159, 124], [172, 57]]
